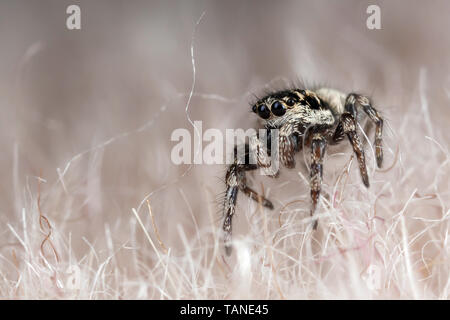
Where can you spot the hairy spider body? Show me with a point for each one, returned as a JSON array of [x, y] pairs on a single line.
[[304, 118]]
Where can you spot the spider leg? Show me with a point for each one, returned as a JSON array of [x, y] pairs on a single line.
[[355, 101], [349, 128], [229, 205], [287, 149], [249, 192], [262, 152], [318, 146], [290, 142], [339, 134], [235, 180]]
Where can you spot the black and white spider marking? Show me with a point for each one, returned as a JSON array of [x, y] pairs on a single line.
[[307, 118]]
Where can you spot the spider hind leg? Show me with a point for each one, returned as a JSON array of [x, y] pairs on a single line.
[[318, 146], [349, 128], [356, 101]]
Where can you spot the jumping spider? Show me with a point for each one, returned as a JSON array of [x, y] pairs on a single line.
[[303, 118]]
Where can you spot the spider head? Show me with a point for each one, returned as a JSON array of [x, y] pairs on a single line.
[[281, 104], [303, 107], [275, 105]]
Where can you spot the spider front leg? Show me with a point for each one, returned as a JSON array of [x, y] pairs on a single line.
[[235, 180], [318, 147], [289, 143]]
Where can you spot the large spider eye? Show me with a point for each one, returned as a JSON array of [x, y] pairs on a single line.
[[291, 101], [278, 108], [263, 111], [254, 109]]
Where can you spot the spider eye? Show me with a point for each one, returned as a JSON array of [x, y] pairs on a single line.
[[254, 109], [313, 103], [278, 108], [263, 111], [291, 101]]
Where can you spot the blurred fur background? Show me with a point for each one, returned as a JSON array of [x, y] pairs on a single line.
[[85, 124]]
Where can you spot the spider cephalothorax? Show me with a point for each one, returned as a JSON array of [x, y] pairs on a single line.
[[303, 118]]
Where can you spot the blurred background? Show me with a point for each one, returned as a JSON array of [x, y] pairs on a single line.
[[91, 111]]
